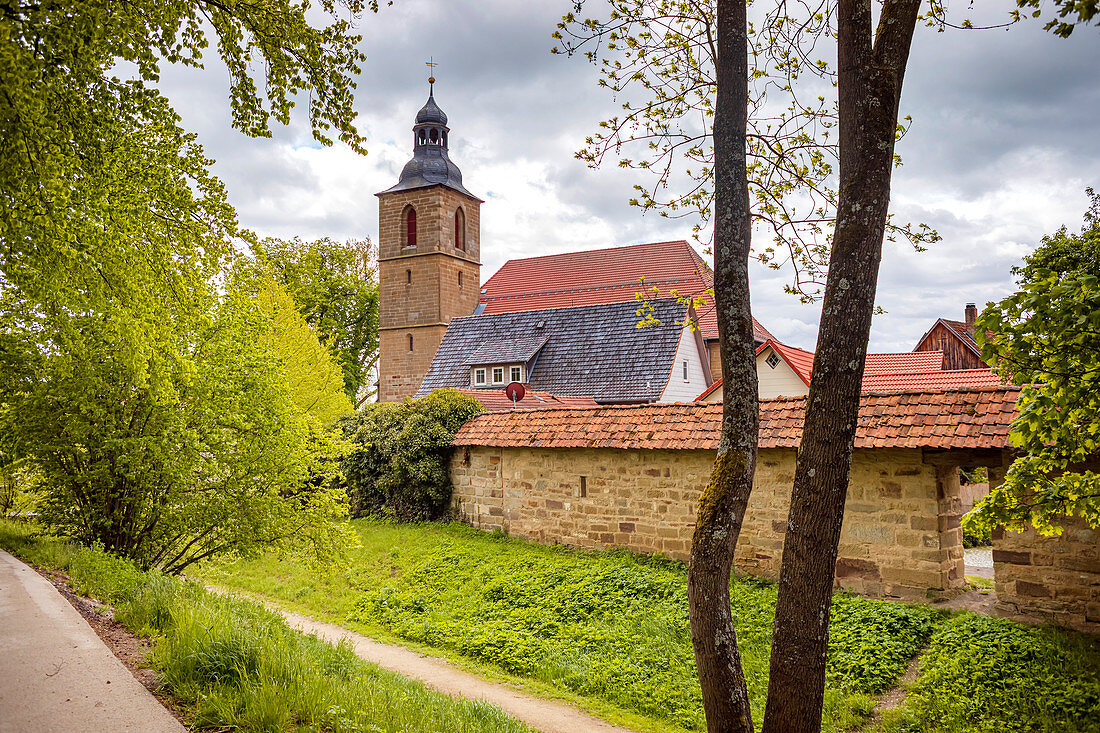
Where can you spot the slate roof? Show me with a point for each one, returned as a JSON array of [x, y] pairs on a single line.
[[970, 418], [607, 275], [495, 400], [595, 351], [506, 350]]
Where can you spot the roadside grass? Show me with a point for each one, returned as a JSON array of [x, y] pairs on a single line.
[[991, 675], [607, 629], [235, 664]]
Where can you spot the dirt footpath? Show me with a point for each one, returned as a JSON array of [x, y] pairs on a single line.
[[55, 673], [543, 715]]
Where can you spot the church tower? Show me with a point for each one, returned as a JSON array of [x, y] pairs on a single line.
[[429, 257]]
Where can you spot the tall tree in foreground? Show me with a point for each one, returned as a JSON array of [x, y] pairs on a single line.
[[870, 69], [724, 500], [785, 155]]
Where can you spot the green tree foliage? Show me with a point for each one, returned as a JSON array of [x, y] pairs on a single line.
[[314, 381], [211, 450], [105, 203], [166, 422], [335, 289], [1069, 14], [399, 464], [1047, 335]]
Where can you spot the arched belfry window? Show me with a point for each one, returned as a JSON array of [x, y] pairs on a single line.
[[434, 136], [410, 227], [460, 229]]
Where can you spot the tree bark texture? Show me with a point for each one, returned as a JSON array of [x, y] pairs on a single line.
[[870, 71], [723, 502]]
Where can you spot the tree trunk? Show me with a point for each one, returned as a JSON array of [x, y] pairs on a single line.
[[722, 504], [870, 70]]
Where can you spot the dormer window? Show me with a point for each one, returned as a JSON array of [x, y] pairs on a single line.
[[496, 375], [773, 360]]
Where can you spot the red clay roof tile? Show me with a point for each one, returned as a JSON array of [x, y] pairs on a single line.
[[898, 420], [607, 275]]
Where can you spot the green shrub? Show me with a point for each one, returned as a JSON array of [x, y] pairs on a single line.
[[399, 466]]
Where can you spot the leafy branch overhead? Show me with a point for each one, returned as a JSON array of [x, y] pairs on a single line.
[[1047, 335], [658, 58]]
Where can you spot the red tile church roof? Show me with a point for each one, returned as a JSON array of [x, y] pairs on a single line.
[[968, 418], [605, 276]]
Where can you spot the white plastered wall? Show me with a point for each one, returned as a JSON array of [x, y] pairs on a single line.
[[678, 389], [780, 381]]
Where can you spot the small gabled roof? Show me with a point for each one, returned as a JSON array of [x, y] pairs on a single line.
[[597, 351], [799, 360], [958, 329], [507, 350], [609, 275]]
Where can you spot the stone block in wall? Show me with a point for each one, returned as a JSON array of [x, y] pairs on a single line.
[[646, 501]]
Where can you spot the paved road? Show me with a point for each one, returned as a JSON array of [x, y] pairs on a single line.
[[56, 674]]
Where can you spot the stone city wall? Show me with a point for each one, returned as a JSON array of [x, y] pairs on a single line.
[[1050, 579], [901, 535]]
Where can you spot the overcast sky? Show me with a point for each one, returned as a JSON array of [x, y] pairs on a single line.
[[1003, 144]]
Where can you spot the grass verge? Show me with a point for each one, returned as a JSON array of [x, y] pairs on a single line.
[[238, 665], [607, 629]]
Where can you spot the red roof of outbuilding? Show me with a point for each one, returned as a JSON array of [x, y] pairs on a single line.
[[970, 418], [944, 379], [495, 400], [799, 360], [888, 372], [608, 275]]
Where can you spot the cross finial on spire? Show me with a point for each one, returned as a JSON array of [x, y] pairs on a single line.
[[431, 78]]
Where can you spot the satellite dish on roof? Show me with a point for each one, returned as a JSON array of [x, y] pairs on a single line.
[[515, 392]]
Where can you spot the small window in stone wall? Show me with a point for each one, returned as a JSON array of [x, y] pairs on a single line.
[[410, 227], [410, 342], [583, 490]]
